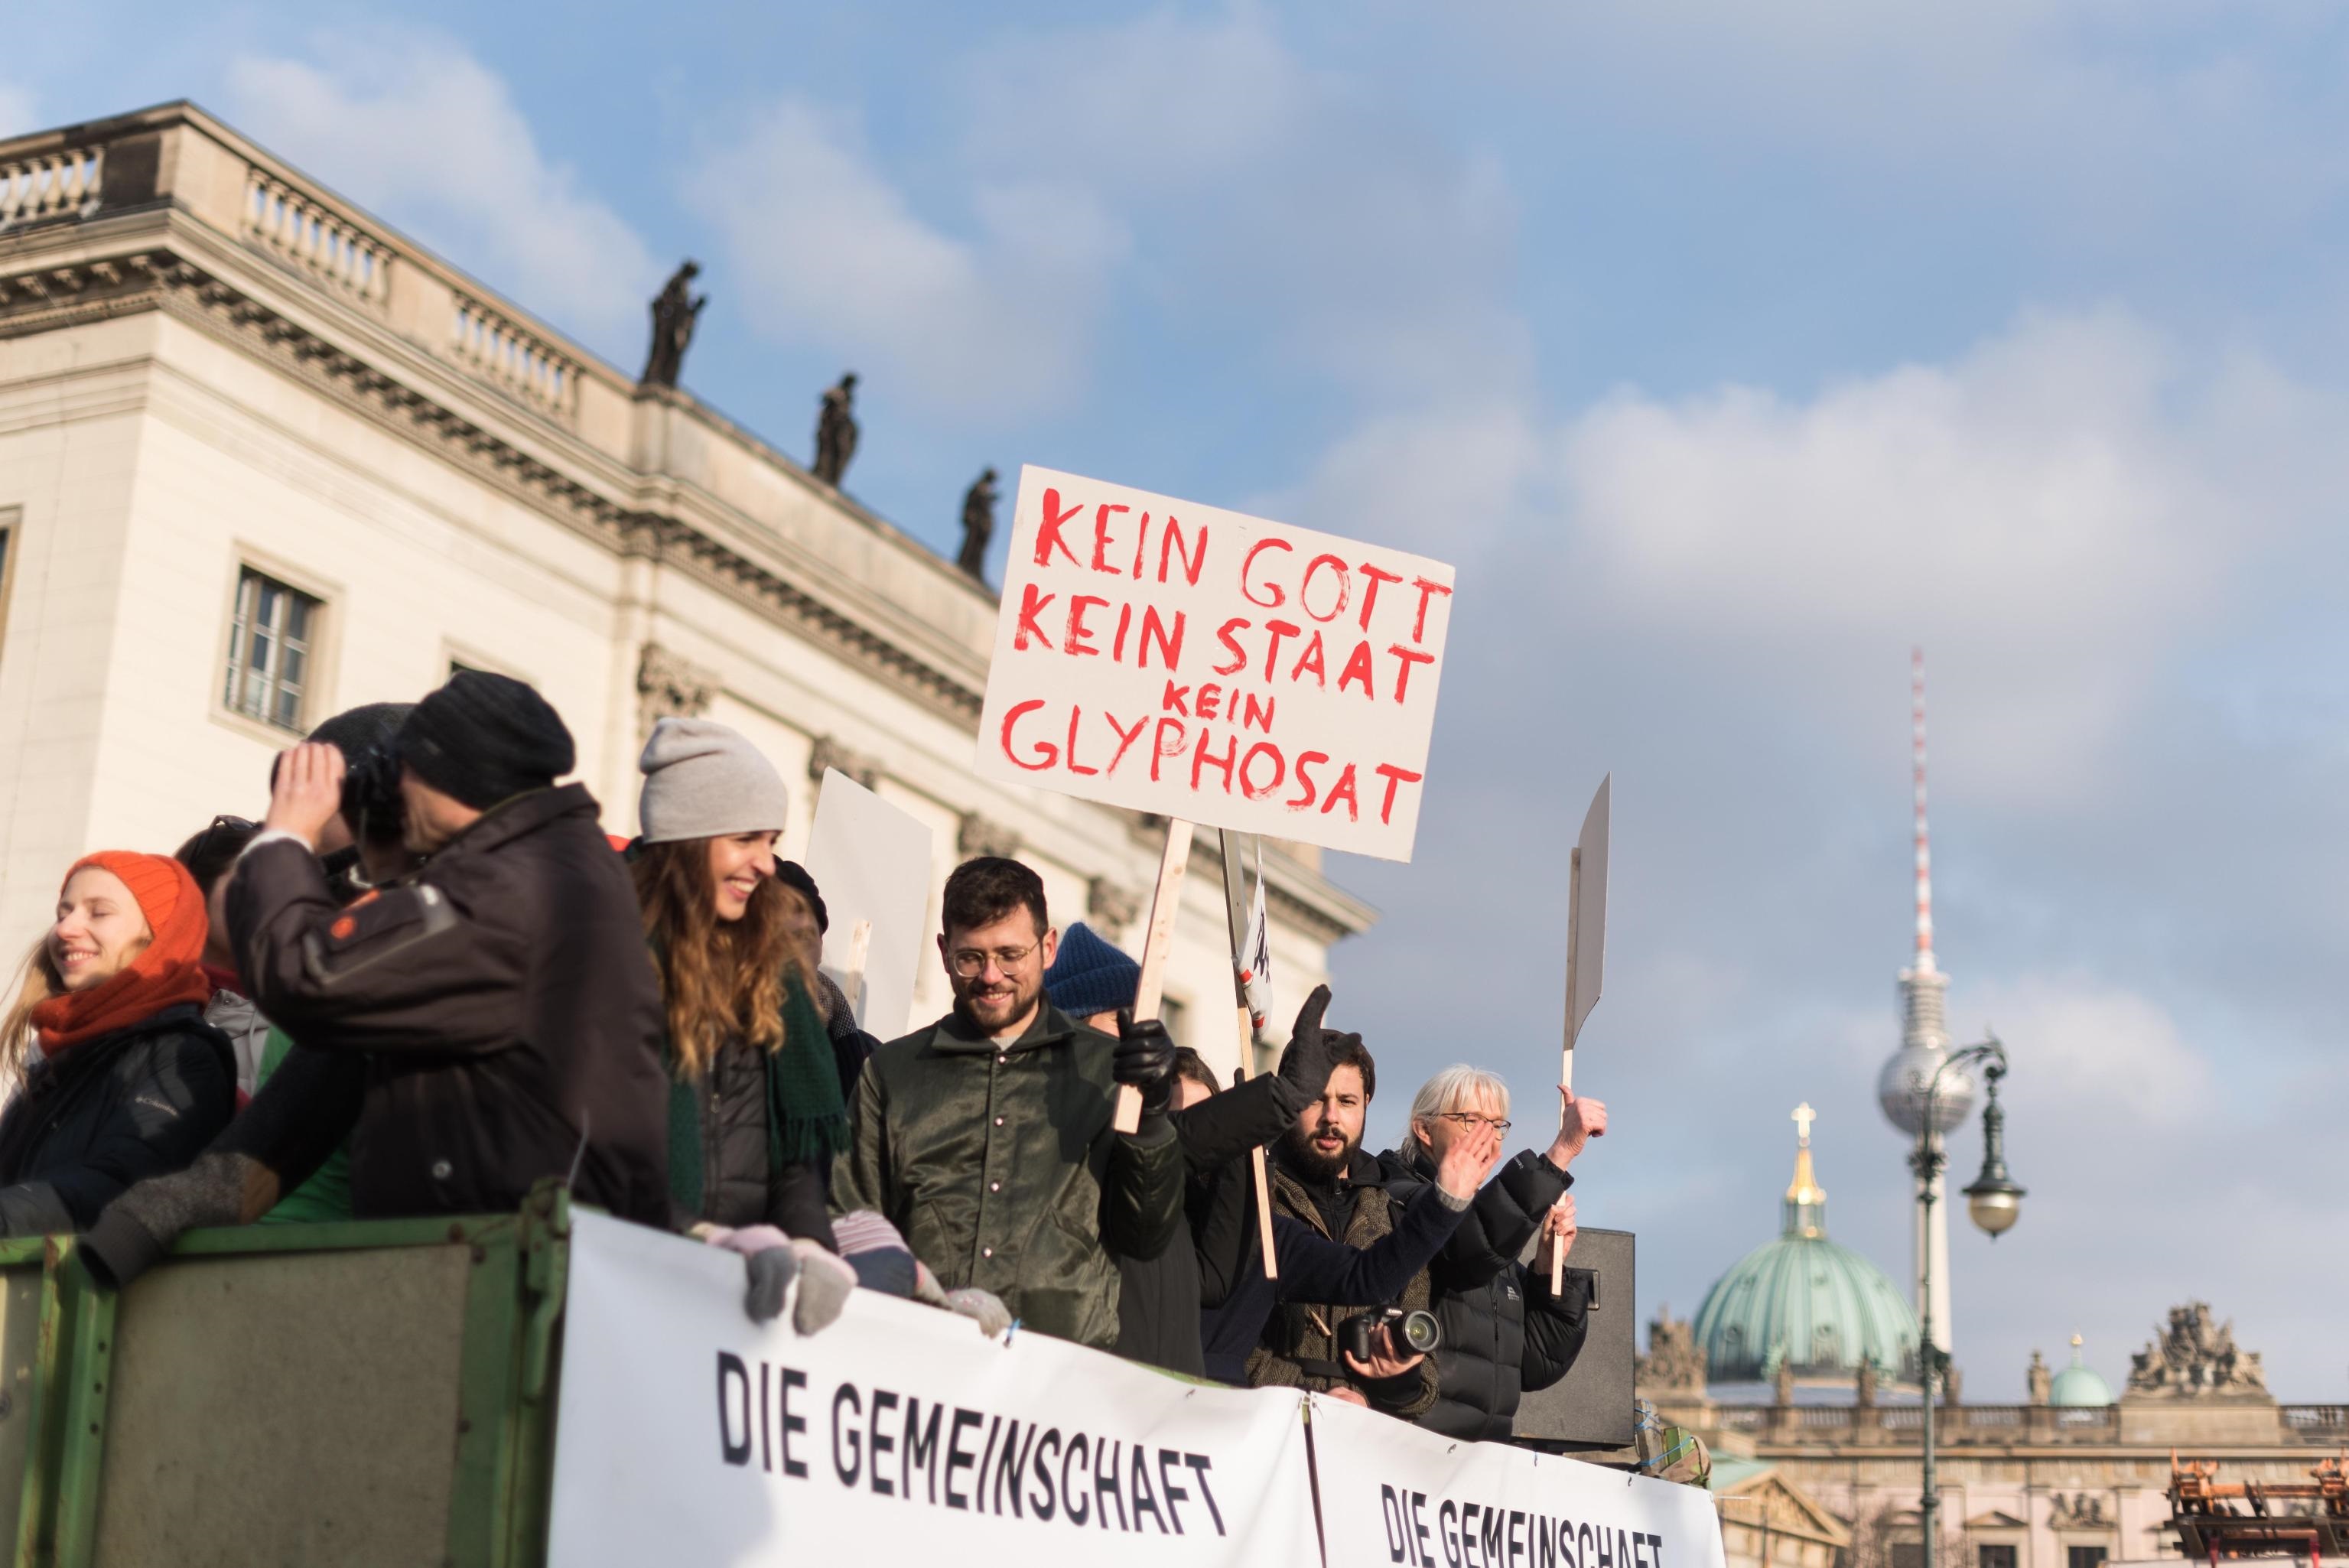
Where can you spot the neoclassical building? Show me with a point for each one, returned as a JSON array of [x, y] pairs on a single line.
[[263, 459], [1799, 1370]]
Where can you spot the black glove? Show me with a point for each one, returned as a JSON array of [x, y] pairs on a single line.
[[1305, 1065], [1145, 1059]]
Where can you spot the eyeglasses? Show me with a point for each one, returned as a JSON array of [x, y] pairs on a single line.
[[1463, 1118], [971, 962]]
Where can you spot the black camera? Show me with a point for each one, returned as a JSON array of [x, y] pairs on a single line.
[[371, 803], [1419, 1331]]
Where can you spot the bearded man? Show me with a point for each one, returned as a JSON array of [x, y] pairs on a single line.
[[986, 1137], [1321, 1179]]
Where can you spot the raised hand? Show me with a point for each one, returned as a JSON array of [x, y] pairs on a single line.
[[1579, 1119], [1144, 1058], [1469, 1160], [1306, 1064], [306, 791]]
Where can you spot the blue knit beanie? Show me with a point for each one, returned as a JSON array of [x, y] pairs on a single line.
[[1088, 975]]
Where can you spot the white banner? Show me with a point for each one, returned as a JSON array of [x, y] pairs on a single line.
[[689, 1434], [1220, 668], [1391, 1493]]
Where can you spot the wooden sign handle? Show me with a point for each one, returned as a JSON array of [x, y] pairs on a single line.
[[860, 949], [1236, 915], [1566, 1058], [1172, 862], [1255, 1155]]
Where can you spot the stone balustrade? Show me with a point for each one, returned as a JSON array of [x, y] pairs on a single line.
[[1956, 1426], [63, 185], [498, 350], [297, 230]]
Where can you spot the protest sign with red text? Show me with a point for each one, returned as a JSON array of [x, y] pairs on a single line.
[[1214, 667]]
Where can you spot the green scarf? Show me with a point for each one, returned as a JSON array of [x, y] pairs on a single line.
[[805, 1118]]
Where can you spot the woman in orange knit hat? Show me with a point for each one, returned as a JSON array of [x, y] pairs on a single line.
[[120, 1077]]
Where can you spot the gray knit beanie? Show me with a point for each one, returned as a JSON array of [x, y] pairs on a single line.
[[703, 781]]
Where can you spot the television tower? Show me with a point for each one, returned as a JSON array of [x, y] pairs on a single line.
[[1924, 1046]]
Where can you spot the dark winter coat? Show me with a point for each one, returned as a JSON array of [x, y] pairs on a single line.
[[1504, 1333], [1159, 1299], [1299, 1348], [1236, 1300], [143, 1101], [742, 1182], [997, 1163], [502, 999]]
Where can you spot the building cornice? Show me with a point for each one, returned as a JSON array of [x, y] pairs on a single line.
[[169, 210]]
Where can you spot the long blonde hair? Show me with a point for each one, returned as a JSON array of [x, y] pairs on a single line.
[[37, 980], [719, 978]]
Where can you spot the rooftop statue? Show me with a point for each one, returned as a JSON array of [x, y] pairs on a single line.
[[1674, 1363], [674, 310], [977, 524], [2196, 1356], [835, 431]]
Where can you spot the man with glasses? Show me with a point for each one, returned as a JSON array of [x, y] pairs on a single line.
[[986, 1137], [1504, 1332]]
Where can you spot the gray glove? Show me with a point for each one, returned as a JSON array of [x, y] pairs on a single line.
[[137, 1230], [981, 1307]]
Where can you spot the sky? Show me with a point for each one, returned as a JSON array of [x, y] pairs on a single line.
[[1727, 352]]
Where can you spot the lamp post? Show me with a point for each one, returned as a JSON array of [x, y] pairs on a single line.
[[1993, 1201]]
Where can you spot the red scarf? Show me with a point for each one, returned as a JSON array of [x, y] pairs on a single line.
[[166, 973]]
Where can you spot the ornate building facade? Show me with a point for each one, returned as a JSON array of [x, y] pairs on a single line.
[[262, 459], [2071, 1478]]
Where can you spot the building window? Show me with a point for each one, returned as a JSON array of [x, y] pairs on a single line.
[[1908, 1554], [2085, 1557], [1170, 1013], [1994, 1557], [9, 518], [269, 650]]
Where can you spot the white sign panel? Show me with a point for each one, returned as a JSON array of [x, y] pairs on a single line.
[[690, 1434], [872, 864], [1391, 1493], [1219, 668]]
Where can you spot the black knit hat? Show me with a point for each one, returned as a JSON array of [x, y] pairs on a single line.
[[484, 739], [356, 731], [792, 875]]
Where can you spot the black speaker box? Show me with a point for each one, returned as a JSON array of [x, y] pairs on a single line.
[[1592, 1405]]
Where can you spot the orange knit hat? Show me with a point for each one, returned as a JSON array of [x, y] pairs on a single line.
[[164, 973]]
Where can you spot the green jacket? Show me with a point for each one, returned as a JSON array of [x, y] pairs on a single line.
[[998, 1165]]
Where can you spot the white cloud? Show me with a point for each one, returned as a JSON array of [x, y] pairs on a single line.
[[2098, 1055], [830, 252], [409, 125], [1299, 213], [2054, 511]]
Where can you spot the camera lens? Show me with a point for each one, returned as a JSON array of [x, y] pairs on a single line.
[[1422, 1331]]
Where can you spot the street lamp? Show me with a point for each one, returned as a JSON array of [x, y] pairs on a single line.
[[1994, 1202]]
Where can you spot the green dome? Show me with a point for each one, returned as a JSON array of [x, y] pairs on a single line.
[[1805, 1303], [2078, 1387]]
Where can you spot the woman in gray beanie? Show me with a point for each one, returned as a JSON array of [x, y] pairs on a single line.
[[755, 1107]]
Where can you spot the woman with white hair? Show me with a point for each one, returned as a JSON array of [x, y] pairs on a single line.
[[1504, 1332]]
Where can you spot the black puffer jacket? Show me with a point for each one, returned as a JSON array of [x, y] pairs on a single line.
[[140, 1102], [741, 1182], [1504, 1333]]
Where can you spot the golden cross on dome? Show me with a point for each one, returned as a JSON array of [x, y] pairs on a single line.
[[1804, 1116]]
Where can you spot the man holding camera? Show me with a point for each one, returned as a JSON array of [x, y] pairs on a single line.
[[1323, 1180]]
